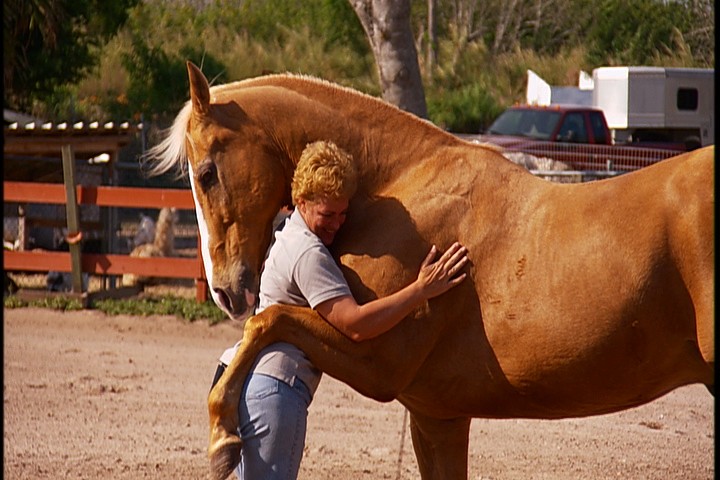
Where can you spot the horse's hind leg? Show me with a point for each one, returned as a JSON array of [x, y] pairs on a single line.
[[441, 447]]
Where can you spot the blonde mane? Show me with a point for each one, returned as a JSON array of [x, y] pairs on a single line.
[[171, 152]]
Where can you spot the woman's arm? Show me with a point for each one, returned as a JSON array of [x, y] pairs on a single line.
[[362, 322]]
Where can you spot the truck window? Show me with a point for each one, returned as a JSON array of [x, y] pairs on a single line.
[[687, 99], [573, 129], [597, 123], [537, 124]]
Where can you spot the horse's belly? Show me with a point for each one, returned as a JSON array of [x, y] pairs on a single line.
[[538, 372]]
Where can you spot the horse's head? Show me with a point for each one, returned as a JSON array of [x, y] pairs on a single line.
[[239, 183]]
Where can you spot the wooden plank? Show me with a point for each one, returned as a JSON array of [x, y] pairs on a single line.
[[36, 261], [137, 197], [164, 267], [104, 264], [54, 193]]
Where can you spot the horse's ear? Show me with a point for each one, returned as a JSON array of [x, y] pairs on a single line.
[[199, 90]]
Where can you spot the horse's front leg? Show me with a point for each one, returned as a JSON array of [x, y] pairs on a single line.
[[441, 446], [360, 365], [224, 398]]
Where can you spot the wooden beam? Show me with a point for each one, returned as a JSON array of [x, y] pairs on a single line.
[[54, 193], [104, 264], [50, 145]]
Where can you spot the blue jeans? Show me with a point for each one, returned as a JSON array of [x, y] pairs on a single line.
[[273, 420]]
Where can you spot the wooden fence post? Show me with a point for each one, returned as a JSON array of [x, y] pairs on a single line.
[[22, 238], [74, 235]]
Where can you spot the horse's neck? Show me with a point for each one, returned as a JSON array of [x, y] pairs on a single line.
[[386, 142], [383, 141]]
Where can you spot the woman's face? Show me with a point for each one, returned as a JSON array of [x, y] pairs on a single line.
[[324, 217]]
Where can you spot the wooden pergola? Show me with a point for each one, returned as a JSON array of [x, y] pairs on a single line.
[[28, 147], [31, 172], [103, 263]]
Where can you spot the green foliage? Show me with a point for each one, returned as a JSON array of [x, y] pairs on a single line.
[[469, 109], [49, 45], [141, 70], [339, 25], [333, 22], [58, 302], [155, 86], [188, 309], [570, 21], [632, 32], [471, 87], [232, 42]]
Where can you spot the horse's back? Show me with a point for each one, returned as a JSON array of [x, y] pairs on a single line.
[[633, 317]]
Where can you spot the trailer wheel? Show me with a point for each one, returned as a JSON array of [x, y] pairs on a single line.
[[692, 143]]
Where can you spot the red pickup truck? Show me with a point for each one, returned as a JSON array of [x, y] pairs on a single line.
[[555, 123], [576, 135]]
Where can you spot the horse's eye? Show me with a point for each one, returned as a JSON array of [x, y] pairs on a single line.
[[207, 176]]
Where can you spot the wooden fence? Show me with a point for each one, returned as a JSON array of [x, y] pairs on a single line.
[[77, 262]]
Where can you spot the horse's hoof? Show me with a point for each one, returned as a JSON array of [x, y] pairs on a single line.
[[224, 459]]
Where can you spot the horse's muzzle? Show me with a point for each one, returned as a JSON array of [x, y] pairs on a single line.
[[237, 304]]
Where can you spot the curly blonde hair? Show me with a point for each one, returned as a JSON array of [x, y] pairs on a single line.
[[324, 171]]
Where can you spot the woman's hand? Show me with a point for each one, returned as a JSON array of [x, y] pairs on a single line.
[[438, 277], [360, 322]]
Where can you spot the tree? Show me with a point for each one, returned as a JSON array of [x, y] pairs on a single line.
[[387, 25], [48, 44], [431, 56]]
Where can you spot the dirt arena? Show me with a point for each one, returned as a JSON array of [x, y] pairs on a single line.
[[90, 396]]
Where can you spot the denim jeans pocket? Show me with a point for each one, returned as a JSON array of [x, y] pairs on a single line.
[[261, 386]]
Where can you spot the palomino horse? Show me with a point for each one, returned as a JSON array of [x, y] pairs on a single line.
[[581, 299]]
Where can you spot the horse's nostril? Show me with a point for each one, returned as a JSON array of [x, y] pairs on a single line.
[[224, 299]]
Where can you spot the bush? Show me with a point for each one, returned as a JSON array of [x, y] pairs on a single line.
[[469, 109], [188, 309]]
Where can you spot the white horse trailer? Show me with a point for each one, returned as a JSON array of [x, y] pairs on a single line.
[[657, 104]]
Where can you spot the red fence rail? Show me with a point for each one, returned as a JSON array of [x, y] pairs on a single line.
[[105, 264]]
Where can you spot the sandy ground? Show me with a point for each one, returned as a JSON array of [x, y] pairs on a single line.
[[89, 396]]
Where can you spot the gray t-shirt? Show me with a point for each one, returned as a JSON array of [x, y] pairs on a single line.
[[299, 270]]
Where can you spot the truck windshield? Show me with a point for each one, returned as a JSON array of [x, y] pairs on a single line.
[[537, 124]]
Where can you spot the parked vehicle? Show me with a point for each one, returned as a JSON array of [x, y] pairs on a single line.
[[656, 104], [650, 105], [555, 123], [620, 118], [573, 134]]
